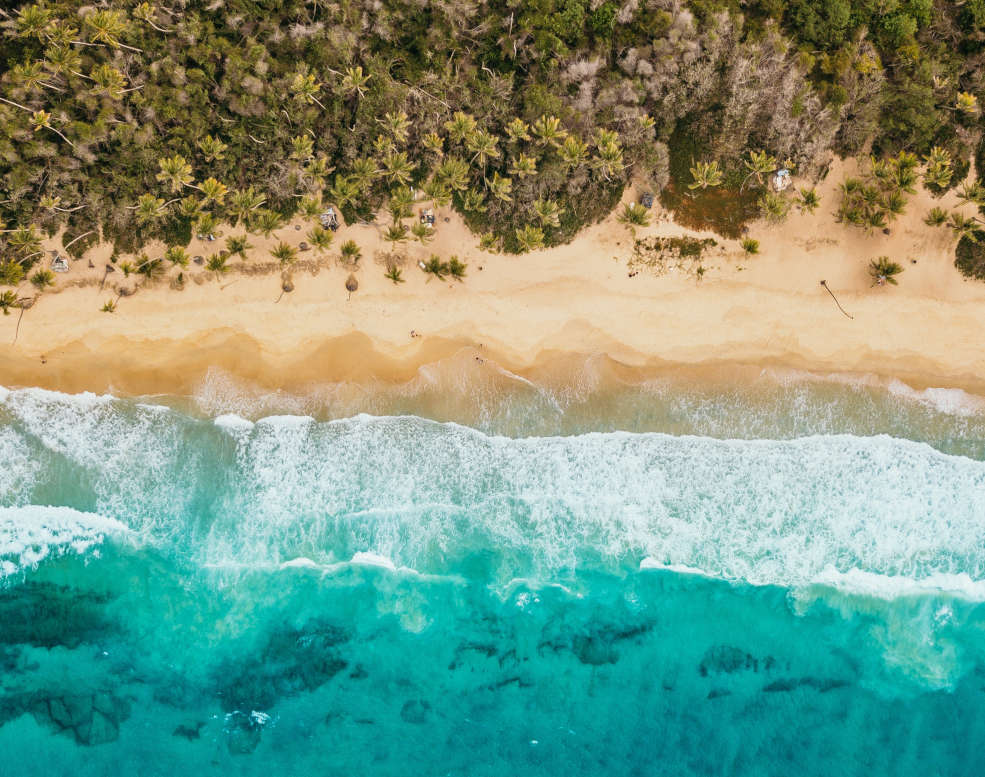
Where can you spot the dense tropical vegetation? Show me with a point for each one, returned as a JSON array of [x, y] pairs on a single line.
[[128, 121]]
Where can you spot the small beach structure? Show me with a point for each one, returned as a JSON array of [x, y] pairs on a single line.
[[427, 217], [646, 200], [329, 219], [780, 180], [59, 263]]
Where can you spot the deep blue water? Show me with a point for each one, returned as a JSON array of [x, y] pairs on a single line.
[[655, 580]]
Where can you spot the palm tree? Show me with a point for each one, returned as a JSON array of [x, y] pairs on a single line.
[[972, 193], [320, 238], [935, 217], [706, 174], [500, 187], [573, 151], [285, 253], [964, 226], [394, 274], [876, 219], [364, 172], [883, 271], [460, 127], [434, 143], [422, 232], [938, 169], [904, 177], [30, 76], [774, 206], [966, 103], [305, 88], [809, 200], [8, 299], [310, 205], [456, 269], [266, 221], [344, 191], [547, 212], [434, 266], [178, 255], [453, 172], [316, 170], [439, 192], [397, 124], [517, 129], [530, 238], [635, 214], [383, 145], [146, 12], [397, 168], [24, 241], [238, 246], [32, 21], [474, 202], [396, 233], [759, 164], [213, 190], [354, 82], [302, 148], [148, 209], [42, 279], [217, 264], [11, 273], [150, 268], [189, 207], [548, 131], [106, 27], [483, 146], [882, 170], [489, 241], [609, 160], [109, 81], [61, 60], [401, 203], [243, 202], [175, 171], [109, 307], [894, 203], [351, 253], [750, 246], [206, 224], [522, 165]]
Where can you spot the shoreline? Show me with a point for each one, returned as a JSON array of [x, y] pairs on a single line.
[[521, 312]]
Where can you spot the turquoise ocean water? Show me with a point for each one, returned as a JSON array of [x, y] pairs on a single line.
[[476, 574]]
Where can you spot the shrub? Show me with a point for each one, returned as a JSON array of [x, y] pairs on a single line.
[[969, 256]]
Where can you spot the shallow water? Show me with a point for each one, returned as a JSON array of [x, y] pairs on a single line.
[[763, 574]]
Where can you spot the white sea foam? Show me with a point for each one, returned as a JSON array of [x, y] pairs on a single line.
[[427, 496], [952, 401], [421, 493], [19, 469], [860, 583], [233, 422], [373, 560], [29, 535]]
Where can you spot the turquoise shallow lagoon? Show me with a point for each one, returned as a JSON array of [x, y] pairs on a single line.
[[780, 577]]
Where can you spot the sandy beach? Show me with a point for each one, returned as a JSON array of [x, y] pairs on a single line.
[[767, 309]]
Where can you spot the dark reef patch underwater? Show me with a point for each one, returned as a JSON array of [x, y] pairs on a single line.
[[773, 583]]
